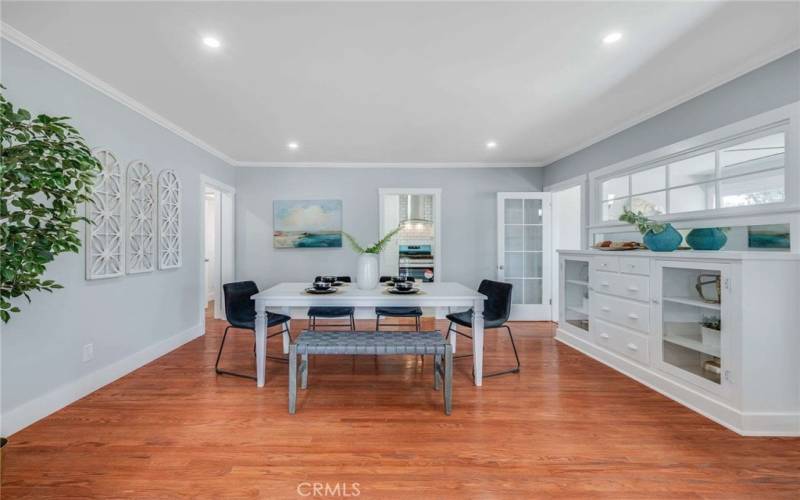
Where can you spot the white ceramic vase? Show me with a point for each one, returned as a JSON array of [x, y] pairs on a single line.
[[367, 275]]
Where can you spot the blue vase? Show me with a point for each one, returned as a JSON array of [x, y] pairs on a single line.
[[666, 241], [707, 238]]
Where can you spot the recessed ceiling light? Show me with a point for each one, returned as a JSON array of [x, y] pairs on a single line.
[[491, 145], [293, 145], [212, 42], [612, 38]]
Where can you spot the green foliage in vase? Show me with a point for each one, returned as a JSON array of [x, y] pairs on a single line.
[[47, 172], [377, 247], [642, 223]]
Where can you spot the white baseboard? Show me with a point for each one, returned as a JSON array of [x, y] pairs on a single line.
[[24, 415], [745, 424]]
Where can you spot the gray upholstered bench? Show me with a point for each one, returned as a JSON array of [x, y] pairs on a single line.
[[369, 344]]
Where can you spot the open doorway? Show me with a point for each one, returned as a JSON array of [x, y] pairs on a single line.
[[568, 227], [218, 245]]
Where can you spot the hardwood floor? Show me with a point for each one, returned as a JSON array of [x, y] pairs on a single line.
[[566, 426]]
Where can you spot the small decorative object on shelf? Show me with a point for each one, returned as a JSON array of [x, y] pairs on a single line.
[[707, 238], [712, 366], [703, 282], [367, 275], [658, 237], [710, 331]]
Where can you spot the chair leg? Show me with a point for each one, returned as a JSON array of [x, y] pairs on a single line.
[[377, 322], [516, 356], [352, 322], [437, 363], [416, 318], [448, 381], [219, 355]]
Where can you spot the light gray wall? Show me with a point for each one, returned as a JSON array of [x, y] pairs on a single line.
[[469, 235], [42, 346], [771, 86]]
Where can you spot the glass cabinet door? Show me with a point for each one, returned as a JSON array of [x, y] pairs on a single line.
[[691, 321], [575, 286]]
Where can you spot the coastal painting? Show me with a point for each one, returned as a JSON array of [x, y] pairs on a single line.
[[307, 224], [774, 236]]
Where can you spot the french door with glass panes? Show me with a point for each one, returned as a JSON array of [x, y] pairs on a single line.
[[523, 253]]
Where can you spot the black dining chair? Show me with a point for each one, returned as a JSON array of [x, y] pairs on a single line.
[[332, 312], [396, 312], [241, 312], [496, 310]]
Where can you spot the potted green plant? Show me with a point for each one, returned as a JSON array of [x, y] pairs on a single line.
[[48, 172], [658, 237], [367, 276], [710, 329]]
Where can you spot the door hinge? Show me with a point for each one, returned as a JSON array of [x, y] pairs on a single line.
[[551, 301], [727, 283]]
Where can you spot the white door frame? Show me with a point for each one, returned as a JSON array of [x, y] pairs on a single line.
[[544, 311], [225, 254], [581, 181], [437, 221]]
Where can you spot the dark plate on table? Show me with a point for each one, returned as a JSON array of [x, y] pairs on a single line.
[[403, 292], [338, 283], [314, 291]]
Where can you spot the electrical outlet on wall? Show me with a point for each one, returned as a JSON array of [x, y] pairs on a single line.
[[88, 352]]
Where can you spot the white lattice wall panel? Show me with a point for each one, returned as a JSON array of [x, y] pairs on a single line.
[[169, 220], [140, 188], [104, 247]]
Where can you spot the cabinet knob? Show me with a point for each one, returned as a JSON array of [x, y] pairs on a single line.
[[605, 284], [633, 347], [633, 288], [605, 308], [633, 316], [604, 335]]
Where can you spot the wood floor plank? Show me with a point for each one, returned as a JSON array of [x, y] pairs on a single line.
[[566, 426]]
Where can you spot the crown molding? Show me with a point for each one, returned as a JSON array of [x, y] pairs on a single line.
[[30, 45], [741, 70], [367, 164]]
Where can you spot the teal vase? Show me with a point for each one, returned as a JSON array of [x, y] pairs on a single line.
[[707, 238], [666, 241]]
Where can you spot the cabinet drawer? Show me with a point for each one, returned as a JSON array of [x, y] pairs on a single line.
[[605, 263], [622, 285], [621, 311], [622, 341], [634, 265]]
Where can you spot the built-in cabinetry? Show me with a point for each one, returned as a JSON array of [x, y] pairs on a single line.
[[716, 331]]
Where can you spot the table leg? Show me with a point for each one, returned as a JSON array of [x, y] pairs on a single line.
[[477, 340], [454, 336], [286, 339], [292, 379], [304, 372], [261, 344]]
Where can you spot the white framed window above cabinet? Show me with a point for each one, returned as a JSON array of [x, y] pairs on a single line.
[[748, 168]]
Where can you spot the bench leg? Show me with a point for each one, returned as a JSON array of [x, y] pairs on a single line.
[[437, 377], [292, 378], [448, 381], [304, 372]]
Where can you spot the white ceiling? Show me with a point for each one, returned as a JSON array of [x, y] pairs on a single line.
[[408, 82]]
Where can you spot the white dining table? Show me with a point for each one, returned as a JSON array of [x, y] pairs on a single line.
[[284, 296]]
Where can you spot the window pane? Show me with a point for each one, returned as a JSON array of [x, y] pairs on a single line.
[[614, 188], [513, 211], [533, 211], [533, 264], [650, 204], [513, 264], [613, 209], [649, 180], [533, 238], [516, 291], [691, 170], [692, 198], [754, 189], [514, 238], [533, 291], [753, 156]]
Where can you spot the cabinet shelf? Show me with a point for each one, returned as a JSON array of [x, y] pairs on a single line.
[[577, 282], [693, 343], [693, 302], [578, 310]]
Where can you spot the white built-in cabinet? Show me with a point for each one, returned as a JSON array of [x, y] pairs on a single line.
[[716, 331]]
